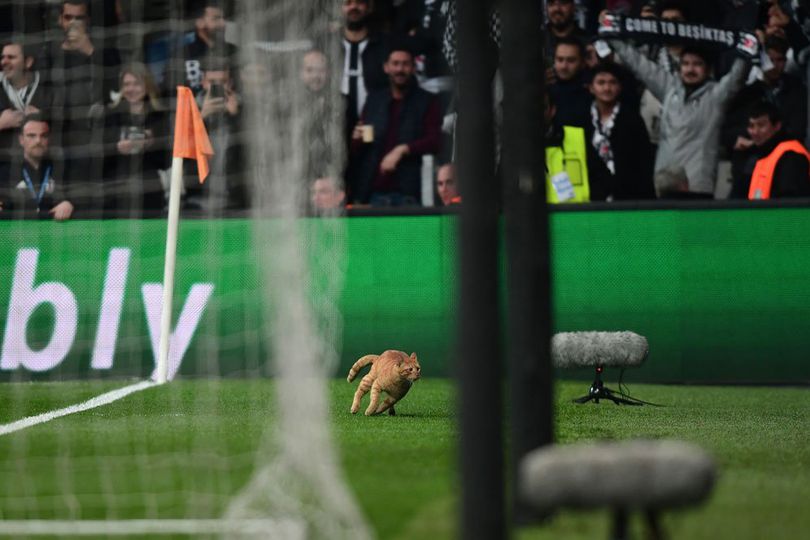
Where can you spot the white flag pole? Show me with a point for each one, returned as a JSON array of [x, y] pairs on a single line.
[[168, 270]]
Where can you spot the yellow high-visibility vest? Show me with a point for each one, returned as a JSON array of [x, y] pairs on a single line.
[[571, 159]]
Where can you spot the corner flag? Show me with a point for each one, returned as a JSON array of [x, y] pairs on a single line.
[[190, 137], [190, 141]]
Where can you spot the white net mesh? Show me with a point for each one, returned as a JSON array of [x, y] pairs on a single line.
[[300, 475], [238, 443]]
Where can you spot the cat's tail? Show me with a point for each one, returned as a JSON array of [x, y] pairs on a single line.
[[360, 364]]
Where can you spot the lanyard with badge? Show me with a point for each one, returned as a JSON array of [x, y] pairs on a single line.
[[561, 182], [42, 188]]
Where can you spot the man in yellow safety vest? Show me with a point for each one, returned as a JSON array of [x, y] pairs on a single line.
[[566, 161]]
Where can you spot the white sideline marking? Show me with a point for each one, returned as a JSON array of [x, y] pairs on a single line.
[[271, 529], [98, 401]]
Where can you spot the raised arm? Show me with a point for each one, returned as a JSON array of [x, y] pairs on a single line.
[[732, 82], [656, 78]]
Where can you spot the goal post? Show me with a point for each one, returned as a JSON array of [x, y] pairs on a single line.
[[239, 443]]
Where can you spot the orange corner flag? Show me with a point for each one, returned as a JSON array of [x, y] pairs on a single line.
[[190, 138]]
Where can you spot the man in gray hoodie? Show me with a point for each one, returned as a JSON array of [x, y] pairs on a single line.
[[693, 107]]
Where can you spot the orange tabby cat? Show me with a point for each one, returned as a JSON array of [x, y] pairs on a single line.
[[392, 372]]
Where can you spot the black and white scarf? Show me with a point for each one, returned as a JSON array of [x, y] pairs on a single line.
[[601, 136], [20, 99], [613, 25], [449, 38]]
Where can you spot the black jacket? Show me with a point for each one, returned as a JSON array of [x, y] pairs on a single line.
[[790, 178], [131, 183], [790, 97], [572, 100], [18, 202], [633, 159], [364, 162], [374, 78], [425, 22], [187, 69]]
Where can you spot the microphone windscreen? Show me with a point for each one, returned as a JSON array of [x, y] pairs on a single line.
[[592, 349], [629, 474]]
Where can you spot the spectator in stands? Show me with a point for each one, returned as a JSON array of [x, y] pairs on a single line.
[[631, 88], [668, 57], [648, 9], [24, 92], [489, 59], [83, 70], [385, 168], [318, 118], [780, 24], [783, 89], [446, 185], [218, 96], [562, 23], [693, 108], [569, 90], [254, 81], [591, 56], [31, 186], [363, 58], [327, 196], [219, 107], [74, 11], [425, 21], [619, 138], [137, 141], [209, 40], [778, 166], [736, 15], [314, 71], [568, 161], [83, 73]]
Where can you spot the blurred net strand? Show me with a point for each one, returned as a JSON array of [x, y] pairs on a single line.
[[297, 487], [297, 45], [271, 529], [298, 473]]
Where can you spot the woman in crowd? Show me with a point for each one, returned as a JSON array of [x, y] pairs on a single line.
[[624, 166], [136, 136]]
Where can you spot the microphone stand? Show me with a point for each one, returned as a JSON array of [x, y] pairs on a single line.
[[598, 391]]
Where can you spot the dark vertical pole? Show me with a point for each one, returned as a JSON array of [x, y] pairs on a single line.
[[479, 361], [527, 236]]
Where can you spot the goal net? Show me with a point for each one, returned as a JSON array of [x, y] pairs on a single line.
[[237, 442]]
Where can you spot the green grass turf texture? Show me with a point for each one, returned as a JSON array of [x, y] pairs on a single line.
[[191, 444]]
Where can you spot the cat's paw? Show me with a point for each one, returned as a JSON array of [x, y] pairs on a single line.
[[354, 410]]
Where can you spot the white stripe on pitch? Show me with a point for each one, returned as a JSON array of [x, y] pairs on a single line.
[[271, 529], [98, 401]]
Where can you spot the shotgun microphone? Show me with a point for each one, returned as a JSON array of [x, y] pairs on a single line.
[[598, 349]]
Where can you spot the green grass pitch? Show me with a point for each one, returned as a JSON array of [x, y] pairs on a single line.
[[182, 450]]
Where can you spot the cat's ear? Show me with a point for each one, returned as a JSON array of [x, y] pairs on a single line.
[[413, 356]]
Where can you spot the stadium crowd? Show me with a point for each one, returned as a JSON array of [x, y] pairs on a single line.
[[85, 106]]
